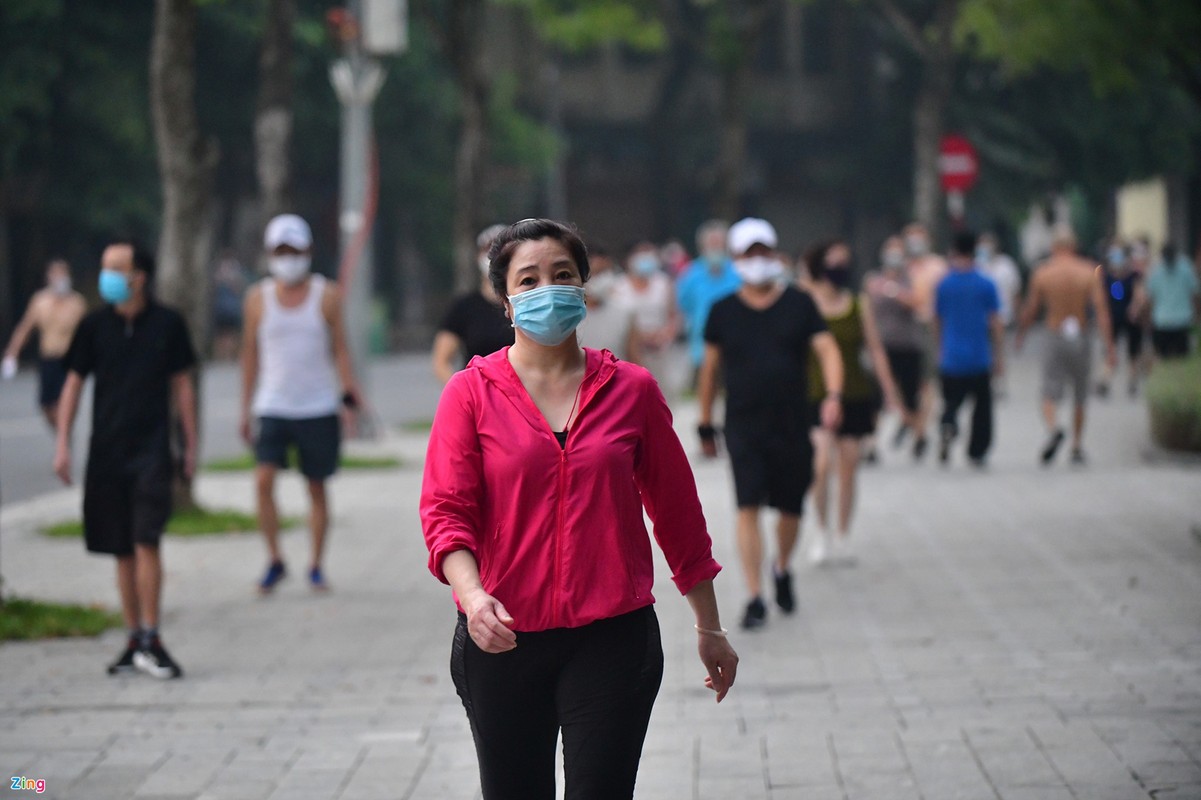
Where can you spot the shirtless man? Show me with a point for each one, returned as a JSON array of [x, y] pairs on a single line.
[[1067, 287], [53, 312], [925, 270]]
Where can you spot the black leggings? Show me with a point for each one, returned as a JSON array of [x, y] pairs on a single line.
[[597, 683]]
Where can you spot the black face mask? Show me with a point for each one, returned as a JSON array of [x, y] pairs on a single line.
[[840, 277]]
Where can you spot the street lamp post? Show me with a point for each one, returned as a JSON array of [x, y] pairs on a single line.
[[357, 78]]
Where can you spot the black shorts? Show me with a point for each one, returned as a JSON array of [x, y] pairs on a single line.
[[52, 374], [1133, 333], [1170, 342], [908, 371], [858, 418], [772, 460], [124, 507], [317, 440]]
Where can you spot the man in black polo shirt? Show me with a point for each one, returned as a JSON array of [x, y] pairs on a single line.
[[141, 354]]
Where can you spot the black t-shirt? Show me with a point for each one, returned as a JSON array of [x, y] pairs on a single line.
[[481, 326], [765, 354], [1120, 291], [133, 361]]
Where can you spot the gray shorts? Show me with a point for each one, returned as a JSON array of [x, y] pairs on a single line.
[[1066, 362]]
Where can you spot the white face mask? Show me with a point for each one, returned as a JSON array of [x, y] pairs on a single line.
[[484, 263], [600, 286], [61, 286], [916, 245], [289, 269], [758, 270]]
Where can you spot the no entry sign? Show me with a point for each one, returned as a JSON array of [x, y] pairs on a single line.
[[957, 163]]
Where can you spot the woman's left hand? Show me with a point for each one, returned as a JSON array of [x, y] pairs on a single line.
[[720, 660]]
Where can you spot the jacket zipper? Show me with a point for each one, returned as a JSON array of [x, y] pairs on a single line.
[[558, 537]]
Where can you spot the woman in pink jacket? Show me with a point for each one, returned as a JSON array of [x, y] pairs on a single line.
[[541, 460]]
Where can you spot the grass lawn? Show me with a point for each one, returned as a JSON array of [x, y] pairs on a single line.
[[417, 426], [29, 619], [1174, 401], [245, 463], [196, 522]]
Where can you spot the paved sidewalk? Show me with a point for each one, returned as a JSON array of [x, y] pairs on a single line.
[[1019, 633]]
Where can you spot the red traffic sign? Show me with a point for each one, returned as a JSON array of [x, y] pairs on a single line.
[[958, 165]]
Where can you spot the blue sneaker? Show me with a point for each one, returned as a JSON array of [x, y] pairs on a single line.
[[317, 580], [276, 572]]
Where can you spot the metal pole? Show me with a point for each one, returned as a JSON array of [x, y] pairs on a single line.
[[357, 80]]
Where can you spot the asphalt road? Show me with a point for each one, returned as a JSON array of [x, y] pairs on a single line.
[[402, 389]]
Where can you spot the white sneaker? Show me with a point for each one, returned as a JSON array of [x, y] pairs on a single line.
[[819, 547], [842, 551]]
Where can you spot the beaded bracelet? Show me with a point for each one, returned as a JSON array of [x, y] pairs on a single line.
[[719, 632]]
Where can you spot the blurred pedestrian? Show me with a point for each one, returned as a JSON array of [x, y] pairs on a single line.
[[648, 292], [849, 319], [760, 339], [1121, 285], [926, 270], [1172, 289], [1003, 271], [894, 304], [296, 375], [971, 348], [476, 324], [1069, 289], [709, 278], [229, 285], [609, 324], [53, 312], [141, 356], [556, 627]]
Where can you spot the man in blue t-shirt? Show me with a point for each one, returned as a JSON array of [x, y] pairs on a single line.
[[709, 278], [970, 337]]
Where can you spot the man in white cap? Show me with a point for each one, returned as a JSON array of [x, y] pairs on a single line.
[[296, 375], [760, 337]]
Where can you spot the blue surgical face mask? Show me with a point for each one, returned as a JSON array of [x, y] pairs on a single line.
[[645, 265], [548, 314], [114, 287]]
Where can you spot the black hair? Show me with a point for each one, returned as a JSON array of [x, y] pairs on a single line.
[[1169, 255], [531, 230], [142, 259], [815, 257], [963, 243]]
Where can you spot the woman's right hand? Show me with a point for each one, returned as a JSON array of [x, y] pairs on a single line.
[[488, 622]]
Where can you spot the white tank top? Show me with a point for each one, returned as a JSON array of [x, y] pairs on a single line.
[[296, 365]]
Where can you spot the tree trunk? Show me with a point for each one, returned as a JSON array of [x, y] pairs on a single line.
[[929, 117], [731, 143], [186, 161], [273, 115], [464, 47], [746, 24], [7, 290]]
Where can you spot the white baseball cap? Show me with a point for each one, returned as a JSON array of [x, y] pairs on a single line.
[[749, 231], [288, 229]]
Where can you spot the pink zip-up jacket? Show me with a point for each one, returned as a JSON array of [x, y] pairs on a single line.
[[558, 533]]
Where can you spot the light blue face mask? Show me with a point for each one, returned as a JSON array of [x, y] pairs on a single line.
[[548, 314], [114, 287], [645, 264]]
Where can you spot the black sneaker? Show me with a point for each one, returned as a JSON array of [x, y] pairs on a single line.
[[125, 662], [945, 437], [784, 596], [1052, 446], [155, 661], [919, 448], [755, 616]]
